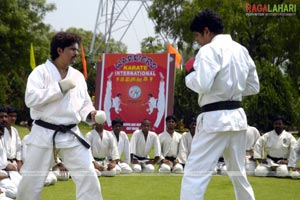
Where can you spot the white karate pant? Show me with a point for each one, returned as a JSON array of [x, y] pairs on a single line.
[[76, 159], [8, 187], [205, 152]]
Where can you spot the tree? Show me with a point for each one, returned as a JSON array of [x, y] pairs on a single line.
[[152, 45], [21, 23], [273, 42]]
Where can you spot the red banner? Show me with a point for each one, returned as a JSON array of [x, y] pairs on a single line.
[[134, 87]]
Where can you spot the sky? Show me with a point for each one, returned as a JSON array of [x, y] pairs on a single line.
[[83, 14]]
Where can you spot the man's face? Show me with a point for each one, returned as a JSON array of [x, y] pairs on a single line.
[[3, 118], [278, 126], [146, 126], [171, 124], [117, 128], [203, 38], [12, 117], [69, 54]]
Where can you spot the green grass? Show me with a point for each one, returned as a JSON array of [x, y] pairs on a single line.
[[165, 187], [133, 187]]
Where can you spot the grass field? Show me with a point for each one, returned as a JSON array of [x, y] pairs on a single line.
[[167, 187]]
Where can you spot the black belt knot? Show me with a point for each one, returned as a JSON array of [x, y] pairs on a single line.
[[221, 105]]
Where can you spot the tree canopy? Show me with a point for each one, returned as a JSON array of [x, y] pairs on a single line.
[[272, 41]]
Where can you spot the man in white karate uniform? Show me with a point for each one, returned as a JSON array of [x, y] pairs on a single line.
[[6, 184], [13, 145], [12, 139], [104, 150], [57, 96], [123, 146], [223, 73], [141, 143], [252, 135], [186, 142], [275, 151], [169, 142]]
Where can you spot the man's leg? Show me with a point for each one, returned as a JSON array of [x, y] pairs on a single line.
[[82, 172], [34, 172], [205, 152], [234, 156]]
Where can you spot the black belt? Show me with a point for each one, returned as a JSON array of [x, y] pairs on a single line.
[[221, 105], [135, 157], [170, 158], [275, 159], [63, 129]]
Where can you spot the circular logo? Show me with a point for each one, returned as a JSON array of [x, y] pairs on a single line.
[[135, 92]]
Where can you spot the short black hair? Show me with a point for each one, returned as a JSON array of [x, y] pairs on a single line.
[[117, 121], [207, 18], [171, 117], [11, 109], [62, 40], [3, 109], [279, 117]]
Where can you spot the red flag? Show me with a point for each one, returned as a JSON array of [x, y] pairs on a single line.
[[83, 62], [171, 49]]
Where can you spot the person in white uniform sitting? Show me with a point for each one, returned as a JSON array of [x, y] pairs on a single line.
[[12, 143], [104, 150], [3, 196], [252, 135], [169, 142], [186, 142], [275, 151], [12, 139], [6, 184], [141, 143], [123, 146]]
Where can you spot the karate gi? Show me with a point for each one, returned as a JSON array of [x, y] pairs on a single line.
[[252, 135], [13, 150], [3, 197], [185, 147], [46, 102], [7, 185], [123, 148], [13, 144], [141, 147], [224, 71], [104, 149], [277, 146], [51, 178], [170, 148], [297, 150]]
